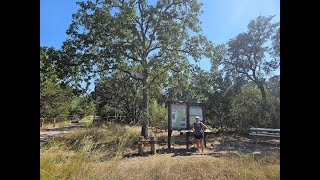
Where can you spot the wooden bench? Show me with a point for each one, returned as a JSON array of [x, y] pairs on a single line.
[[264, 132], [142, 141]]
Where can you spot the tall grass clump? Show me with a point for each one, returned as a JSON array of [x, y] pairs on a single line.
[[67, 155]]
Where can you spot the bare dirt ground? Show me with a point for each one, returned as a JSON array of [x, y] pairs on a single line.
[[216, 146]]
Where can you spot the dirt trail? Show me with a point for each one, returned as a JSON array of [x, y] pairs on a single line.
[[48, 133]]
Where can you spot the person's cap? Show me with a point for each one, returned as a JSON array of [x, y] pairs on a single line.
[[197, 117]]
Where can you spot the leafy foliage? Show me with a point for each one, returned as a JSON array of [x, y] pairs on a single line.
[[245, 110], [246, 53], [138, 52], [54, 98], [119, 94], [158, 114], [140, 39]]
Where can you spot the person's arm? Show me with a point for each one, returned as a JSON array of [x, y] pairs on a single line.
[[204, 127], [192, 127]]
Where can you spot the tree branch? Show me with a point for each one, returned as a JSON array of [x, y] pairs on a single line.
[[152, 49], [179, 50], [158, 22], [141, 9], [128, 72], [133, 58]]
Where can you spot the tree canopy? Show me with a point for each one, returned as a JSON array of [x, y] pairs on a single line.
[[139, 52], [136, 37]]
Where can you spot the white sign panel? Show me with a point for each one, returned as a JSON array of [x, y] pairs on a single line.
[[179, 117], [193, 112]]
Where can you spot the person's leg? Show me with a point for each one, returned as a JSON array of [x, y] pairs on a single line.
[[195, 137], [197, 143], [201, 144]]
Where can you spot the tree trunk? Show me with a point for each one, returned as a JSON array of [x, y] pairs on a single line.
[[264, 106], [263, 92], [144, 129]]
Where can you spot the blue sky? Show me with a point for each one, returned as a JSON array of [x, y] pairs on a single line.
[[221, 19], [225, 19]]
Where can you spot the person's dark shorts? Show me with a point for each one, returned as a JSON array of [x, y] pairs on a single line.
[[198, 136]]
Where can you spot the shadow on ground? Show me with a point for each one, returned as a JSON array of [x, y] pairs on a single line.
[[217, 146]]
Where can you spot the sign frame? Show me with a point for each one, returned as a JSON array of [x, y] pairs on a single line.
[[195, 105]]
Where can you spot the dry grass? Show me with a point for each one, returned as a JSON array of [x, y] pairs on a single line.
[[134, 129], [162, 167], [191, 167], [76, 156]]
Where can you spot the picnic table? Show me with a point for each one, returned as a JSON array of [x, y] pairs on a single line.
[[264, 133]]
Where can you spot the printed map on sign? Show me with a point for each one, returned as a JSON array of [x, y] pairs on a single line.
[[193, 112], [178, 116]]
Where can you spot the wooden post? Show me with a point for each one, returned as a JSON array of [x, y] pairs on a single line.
[[153, 145], [188, 125], [169, 124], [42, 122], [54, 122], [205, 122], [140, 146]]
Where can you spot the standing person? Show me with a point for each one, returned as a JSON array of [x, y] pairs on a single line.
[[198, 129]]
